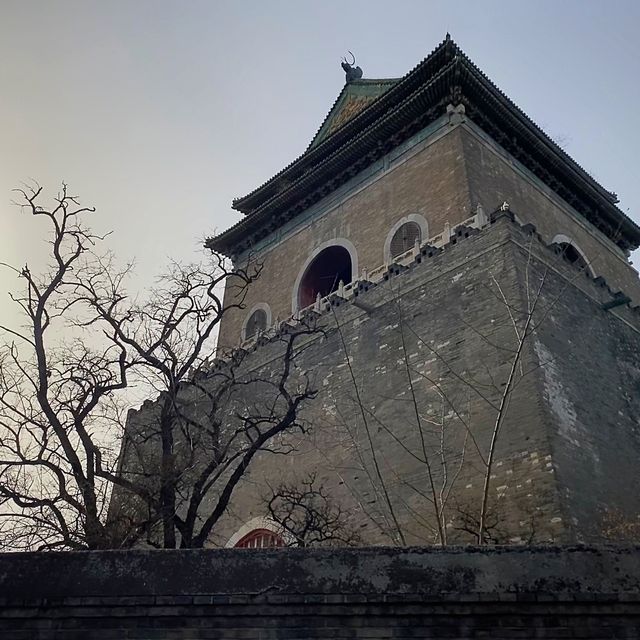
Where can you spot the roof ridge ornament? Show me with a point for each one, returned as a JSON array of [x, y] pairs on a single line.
[[449, 44], [351, 72]]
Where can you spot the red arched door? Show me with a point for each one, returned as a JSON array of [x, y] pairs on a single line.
[[260, 539], [323, 275]]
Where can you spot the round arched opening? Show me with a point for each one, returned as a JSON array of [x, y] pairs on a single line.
[[260, 539], [256, 324], [330, 267], [572, 255], [405, 238]]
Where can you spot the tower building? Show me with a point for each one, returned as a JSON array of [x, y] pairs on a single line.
[[477, 359]]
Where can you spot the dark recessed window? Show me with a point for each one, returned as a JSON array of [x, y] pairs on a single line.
[[405, 238], [257, 323], [324, 274]]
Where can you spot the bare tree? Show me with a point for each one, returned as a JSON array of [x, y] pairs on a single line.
[[216, 422], [62, 382], [168, 335], [56, 397], [307, 516], [433, 446]]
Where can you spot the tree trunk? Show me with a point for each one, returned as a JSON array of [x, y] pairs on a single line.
[[167, 480]]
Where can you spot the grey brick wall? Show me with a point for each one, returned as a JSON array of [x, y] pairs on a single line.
[[569, 443], [571, 428], [571, 592]]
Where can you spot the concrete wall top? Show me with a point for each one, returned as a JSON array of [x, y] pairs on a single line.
[[433, 573]]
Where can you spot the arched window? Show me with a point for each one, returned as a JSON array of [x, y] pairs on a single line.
[[323, 275], [403, 235], [405, 238], [571, 255], [257, 323], [570, 252], [260, 539]]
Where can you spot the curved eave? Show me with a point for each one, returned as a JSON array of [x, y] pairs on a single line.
[[358, 151], [420, 97], [529, 144]]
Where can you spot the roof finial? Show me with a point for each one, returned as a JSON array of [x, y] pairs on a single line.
[[352, 73]]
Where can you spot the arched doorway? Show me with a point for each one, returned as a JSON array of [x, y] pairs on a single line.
[[323, 275], [260, 539]]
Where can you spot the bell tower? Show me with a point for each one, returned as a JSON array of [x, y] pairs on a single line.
[[481, 327]]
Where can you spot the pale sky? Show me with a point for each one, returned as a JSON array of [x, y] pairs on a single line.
[[160, 112]]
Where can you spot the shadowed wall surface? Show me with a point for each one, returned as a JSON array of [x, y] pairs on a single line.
[[536, 592], [572, 422]]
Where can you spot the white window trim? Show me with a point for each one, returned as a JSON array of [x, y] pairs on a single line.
[[420, 220], [560, 238], [256, 307], [336, 242], [252, 525]]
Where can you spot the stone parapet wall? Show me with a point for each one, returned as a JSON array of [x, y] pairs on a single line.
[[571, 424], [535, 592]]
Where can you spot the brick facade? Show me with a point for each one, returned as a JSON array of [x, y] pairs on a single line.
[[363, 213], [442, 174], [572, 421]]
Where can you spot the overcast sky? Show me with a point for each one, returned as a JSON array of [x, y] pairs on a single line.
[[159, 113]]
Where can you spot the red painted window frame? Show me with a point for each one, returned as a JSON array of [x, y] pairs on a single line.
[[256, 536]]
